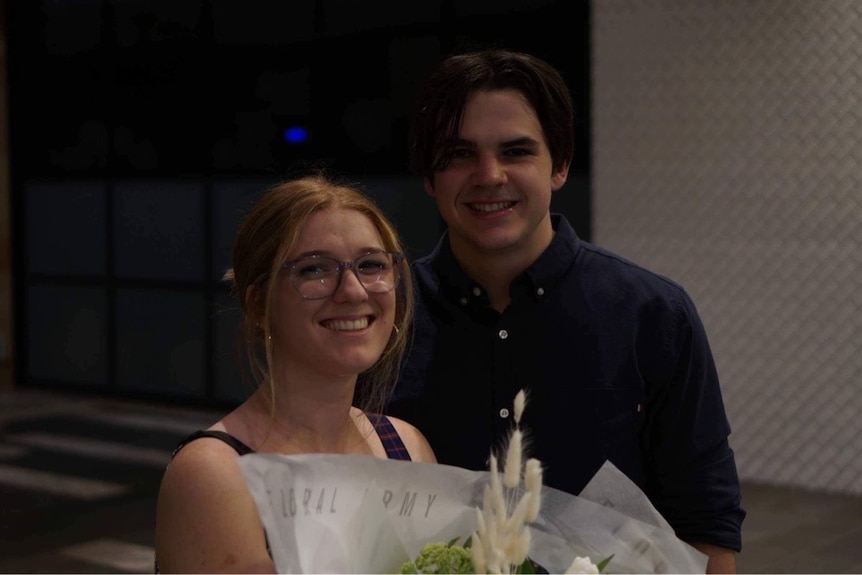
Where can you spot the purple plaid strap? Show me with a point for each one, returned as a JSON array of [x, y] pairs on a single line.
[[389, 437]]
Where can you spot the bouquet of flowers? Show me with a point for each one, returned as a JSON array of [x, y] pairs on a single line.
[[360, 514], [501, 543]]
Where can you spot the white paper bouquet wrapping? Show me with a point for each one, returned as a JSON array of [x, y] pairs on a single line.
[[362, 514]]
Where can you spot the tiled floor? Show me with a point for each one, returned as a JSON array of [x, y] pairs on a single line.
[[78, 479], [796, 531]]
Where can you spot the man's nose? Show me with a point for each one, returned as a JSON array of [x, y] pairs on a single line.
[[489, 171]]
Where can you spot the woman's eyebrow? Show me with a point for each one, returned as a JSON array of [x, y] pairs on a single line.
[[328, 254]]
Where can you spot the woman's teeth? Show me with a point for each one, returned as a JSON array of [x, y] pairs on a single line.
[[347, 324]]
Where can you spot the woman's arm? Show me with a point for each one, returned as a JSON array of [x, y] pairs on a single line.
[[206, 519]]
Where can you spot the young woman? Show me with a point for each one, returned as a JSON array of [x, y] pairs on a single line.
[[327, 302]]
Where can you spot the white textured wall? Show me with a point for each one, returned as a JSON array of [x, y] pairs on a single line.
[[727, 156]]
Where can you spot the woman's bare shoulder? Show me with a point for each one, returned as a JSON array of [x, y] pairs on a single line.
[[200, 471], [419, 448], [206, 518]]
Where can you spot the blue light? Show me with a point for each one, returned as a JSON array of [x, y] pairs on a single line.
[[295, 135]]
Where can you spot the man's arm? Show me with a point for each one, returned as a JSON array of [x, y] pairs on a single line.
[[694, 482], [721, 560]]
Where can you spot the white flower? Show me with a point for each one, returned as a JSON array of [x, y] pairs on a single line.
[[583, 565]]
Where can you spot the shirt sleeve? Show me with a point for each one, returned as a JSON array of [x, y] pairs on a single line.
[[691, 471]]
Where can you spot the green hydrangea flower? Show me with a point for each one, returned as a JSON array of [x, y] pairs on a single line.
[[440, 558]]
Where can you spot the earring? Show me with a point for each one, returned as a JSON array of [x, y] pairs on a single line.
[[395, 327]]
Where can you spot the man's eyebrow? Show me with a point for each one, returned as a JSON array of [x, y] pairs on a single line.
[[518, 142], [513, 143]]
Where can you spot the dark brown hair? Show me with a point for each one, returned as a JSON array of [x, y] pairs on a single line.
[[439, 107]]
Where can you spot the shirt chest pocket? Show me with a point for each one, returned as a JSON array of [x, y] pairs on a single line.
[[620, 412]]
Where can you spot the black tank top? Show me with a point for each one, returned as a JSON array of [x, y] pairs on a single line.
[[392, 443]]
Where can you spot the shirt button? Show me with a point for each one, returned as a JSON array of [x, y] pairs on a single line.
[[504, 413], [463, 301], [477, 292], [503, 334], [540, 291]]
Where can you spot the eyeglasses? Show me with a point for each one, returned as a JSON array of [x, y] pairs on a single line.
[[317, 277]]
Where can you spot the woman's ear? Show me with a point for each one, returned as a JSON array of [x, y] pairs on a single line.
[[253, 307]]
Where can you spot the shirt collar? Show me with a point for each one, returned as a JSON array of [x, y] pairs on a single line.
[[537, 281]]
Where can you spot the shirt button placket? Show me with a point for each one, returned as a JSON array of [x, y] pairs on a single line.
[[503, 386]]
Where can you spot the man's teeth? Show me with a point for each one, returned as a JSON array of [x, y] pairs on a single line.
[[347, 324], [492, 207]]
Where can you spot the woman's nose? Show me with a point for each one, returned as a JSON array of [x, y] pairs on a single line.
[[349, 287]]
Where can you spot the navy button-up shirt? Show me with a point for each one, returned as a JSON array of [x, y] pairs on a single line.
[[617, 367]]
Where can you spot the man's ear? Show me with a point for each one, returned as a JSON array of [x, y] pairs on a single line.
[[429, 187], [559, 177]]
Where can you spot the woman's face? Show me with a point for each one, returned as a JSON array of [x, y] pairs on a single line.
[[340, 334]]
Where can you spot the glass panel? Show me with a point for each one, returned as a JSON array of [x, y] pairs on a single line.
[[413, 212], [160, 341], [67, 334], [231, 200], [159, 231], [66, 228]]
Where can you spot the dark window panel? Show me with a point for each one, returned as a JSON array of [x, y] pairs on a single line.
[[67, 331], [65, 227], [161, 339], [159, 231]]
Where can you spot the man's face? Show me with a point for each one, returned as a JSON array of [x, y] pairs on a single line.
[[495, 193]]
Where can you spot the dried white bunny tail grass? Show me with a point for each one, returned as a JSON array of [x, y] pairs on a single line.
[[516, 520], [502, 539], [495, 562], [533, 483], [512, 474], [488, 513], [481, 530], [521, 548], [533, 474], [498, 508], [520, 403], [477, 554], [495, 477]]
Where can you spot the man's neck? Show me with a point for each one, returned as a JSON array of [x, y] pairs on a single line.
[[495, 277]]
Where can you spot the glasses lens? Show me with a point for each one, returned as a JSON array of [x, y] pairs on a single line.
[[317, 277], [377, 272]]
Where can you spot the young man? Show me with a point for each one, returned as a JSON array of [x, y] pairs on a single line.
[[614, 357]]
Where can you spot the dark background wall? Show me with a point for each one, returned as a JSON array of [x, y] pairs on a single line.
[[141, 129]]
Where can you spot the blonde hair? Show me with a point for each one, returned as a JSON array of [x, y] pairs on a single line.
[[267, 235]]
